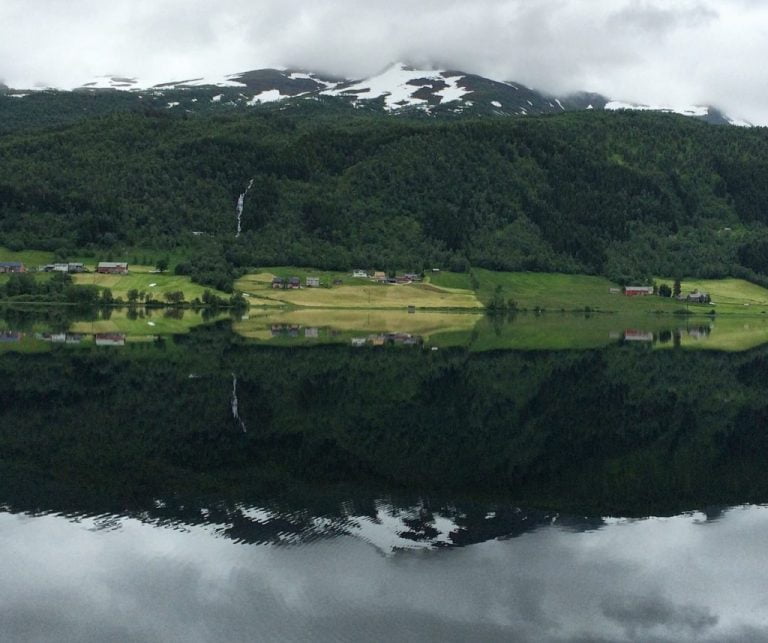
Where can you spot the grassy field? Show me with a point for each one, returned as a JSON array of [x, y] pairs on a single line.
[[30, 258], [529, 291], [134, 257], [552, 291], [728, 295], [142, 279], [353, 293]]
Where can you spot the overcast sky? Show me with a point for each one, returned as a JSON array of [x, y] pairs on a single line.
[[653, 51]]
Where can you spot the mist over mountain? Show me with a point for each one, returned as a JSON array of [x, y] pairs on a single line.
[[399, 88]]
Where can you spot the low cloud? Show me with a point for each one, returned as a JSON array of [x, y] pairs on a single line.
[[701, 51]]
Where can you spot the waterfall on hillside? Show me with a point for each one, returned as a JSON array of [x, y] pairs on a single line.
[[240, 203], [235, 413]]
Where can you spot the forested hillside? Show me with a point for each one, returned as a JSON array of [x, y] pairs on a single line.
[[623, 194]]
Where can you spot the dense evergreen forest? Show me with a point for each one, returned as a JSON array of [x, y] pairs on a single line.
[[627, 195]]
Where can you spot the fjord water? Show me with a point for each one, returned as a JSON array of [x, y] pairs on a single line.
[[274, 484]]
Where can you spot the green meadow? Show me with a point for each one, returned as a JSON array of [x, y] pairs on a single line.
[[352, 292], [440, 290], [142, 279]]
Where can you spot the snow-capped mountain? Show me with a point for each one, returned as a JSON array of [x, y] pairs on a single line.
[[400, 88]]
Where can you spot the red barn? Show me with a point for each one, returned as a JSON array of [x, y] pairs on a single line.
[[633, 291], [112, 268]]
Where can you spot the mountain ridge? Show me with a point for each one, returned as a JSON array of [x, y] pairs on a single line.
[[399, 88]]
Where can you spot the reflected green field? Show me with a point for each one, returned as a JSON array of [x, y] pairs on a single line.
[[432, 329], [525, 331]]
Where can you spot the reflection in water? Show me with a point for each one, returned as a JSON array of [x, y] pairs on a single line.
[[384, 494], [235, 412], [681, 579]]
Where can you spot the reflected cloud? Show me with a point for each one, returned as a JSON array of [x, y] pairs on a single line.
[[646, 579]]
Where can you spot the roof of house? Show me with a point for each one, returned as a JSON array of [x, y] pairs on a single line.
[[113, 264]]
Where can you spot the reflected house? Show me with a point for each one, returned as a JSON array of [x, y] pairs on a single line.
[[54, 338], [285, 330], [109, 339], [312, 332], [276, 330], [699, 332], [12, 266], [635, 291], [403, 339], [358, 341], [633, 335], [112, 268], [10, 336], [61, 338]]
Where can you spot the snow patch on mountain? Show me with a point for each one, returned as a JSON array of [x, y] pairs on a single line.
[[269, 96], [398, 85], [392, 84], [693, 110], [453, 92]]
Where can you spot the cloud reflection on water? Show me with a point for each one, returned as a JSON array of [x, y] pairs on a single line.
[[681, 578]]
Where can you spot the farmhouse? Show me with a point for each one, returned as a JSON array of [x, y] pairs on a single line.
[[313, 282], [294, 282], [112, 268], [278, 282], [633, 291], [12, 266], [360, 273], [412, 276], [698, 297], [379, 276]]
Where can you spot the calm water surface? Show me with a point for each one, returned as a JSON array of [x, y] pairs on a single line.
[[213, 486]]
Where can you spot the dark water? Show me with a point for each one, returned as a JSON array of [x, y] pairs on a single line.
[[202, 487]]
